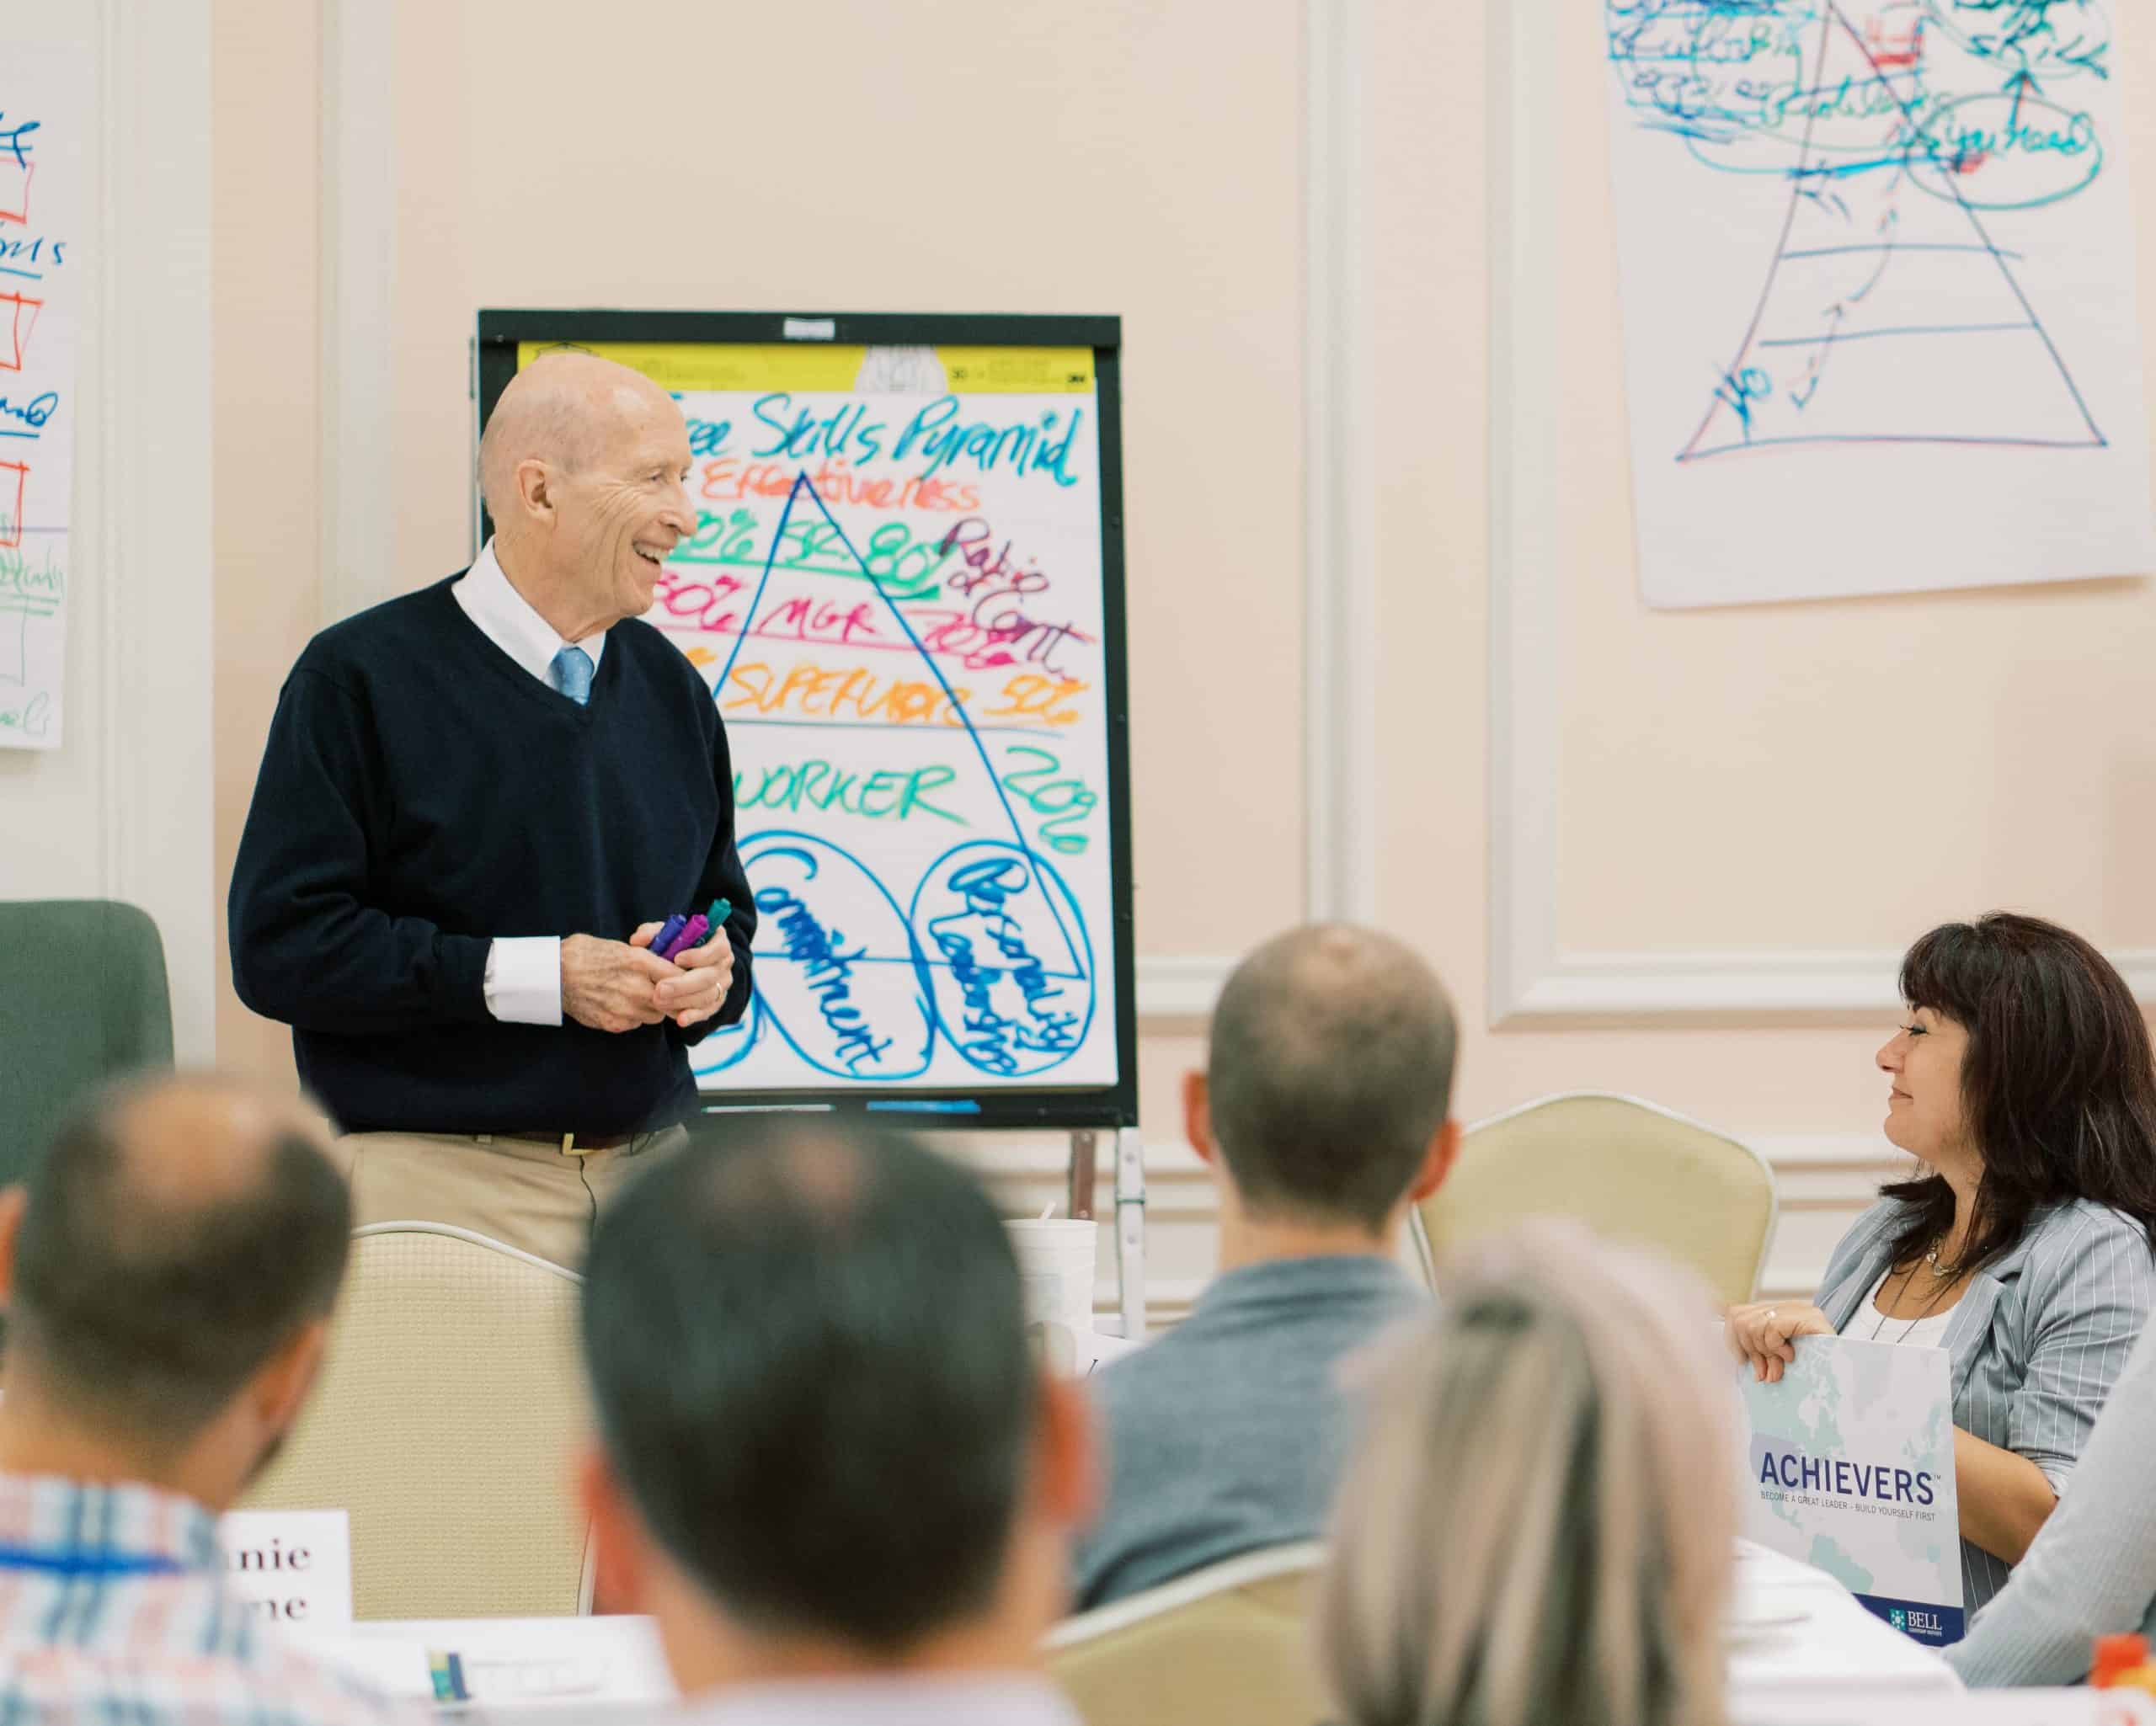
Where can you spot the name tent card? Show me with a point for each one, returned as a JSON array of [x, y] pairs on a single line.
[[1849, 1468], [294, 1566]]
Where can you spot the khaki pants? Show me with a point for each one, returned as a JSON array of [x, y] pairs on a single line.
[[524, 1192]]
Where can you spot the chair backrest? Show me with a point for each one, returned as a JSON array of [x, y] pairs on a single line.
[[1229, 1642], [446, 1423], [82, 996], [1631, 1169]]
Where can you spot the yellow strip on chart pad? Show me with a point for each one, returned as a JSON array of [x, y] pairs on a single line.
[[702, 366]]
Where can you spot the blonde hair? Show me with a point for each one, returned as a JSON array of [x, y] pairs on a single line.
[[1537, 1530]]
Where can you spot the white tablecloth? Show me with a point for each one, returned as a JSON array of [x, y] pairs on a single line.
[[1833, 1649], [1829, 1651]]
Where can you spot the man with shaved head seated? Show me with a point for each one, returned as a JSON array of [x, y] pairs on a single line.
[[168, 1278], [1325, 1113], [479, 803]]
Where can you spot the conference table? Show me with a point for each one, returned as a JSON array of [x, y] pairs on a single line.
[[1797, 1639]]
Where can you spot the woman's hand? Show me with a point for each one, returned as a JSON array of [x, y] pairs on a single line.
[[1765, 1333]]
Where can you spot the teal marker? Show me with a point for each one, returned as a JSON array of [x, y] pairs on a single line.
[[721, 909]]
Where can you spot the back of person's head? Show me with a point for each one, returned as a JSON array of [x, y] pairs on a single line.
[[818, 1406], [1329, 1075], [1537, 1530], [2058, 1079], [182, 1236]]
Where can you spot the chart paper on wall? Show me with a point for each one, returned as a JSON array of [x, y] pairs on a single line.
[[1876, 266], [902, 595], [44, 118]]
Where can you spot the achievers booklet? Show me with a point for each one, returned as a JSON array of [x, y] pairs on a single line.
[[1849, 1468]]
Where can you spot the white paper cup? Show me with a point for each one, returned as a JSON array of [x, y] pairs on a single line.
[[1055, 1262]]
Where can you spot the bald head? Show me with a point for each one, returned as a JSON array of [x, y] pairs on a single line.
[[585, 466], [563, 409], [1330, 1072], [178, 1232]]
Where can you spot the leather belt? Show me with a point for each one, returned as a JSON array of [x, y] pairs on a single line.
[[570, 1144]]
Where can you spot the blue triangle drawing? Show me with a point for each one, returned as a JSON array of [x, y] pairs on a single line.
[[956, 966], [1847, 344]]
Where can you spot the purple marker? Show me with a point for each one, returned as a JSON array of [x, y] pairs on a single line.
[[697, 928], [667, 931]]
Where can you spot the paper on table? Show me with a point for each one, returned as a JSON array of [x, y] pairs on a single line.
[[398, 1669]]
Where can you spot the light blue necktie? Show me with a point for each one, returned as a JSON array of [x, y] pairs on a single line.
[[569, 671]]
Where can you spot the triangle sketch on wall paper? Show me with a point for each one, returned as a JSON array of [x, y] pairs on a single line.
[[1889, 315]]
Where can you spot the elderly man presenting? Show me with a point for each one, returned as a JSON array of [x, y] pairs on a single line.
[[479, 803]]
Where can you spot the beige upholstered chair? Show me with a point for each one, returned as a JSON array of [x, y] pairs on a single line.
[[1229, 1642], [1631, 1169], [447, 1421]]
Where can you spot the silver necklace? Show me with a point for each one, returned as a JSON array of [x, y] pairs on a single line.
[[1910, 1330]]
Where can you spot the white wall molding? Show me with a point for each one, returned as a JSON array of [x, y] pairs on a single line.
[[1612, 984], [143, 489], [1532, 977], [1524, 393], [1339, 585], [359, 147], [1180, 989], [1824, 1181]]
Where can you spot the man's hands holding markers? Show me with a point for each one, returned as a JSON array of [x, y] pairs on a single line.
[[616, 986]]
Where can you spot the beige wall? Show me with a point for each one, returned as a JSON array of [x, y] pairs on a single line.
[[1830, 776], [264, 421], [1058, 159]]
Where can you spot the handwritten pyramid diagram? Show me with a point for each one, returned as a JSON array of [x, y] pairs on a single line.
[[862, 974], [1889, 315]]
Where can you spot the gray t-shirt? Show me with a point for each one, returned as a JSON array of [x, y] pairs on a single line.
[[1230, 1433]]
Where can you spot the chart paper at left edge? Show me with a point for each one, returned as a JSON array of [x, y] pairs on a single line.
[[44, 116]]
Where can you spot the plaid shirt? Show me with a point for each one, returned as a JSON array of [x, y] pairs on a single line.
[[114, 1612]]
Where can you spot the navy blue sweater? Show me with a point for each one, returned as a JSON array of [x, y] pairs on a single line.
[[422, 794]]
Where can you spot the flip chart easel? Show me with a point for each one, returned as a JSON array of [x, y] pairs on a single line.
[[905, 589]]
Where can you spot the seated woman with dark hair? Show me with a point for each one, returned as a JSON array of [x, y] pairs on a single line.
[[2025, 1083]]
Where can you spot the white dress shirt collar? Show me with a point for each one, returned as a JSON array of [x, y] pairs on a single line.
[[506, 619], [983, 1699]]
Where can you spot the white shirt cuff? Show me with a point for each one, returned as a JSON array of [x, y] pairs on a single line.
[[523, 979]]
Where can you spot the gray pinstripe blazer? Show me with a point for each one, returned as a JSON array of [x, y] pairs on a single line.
[[2036, 1341]]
